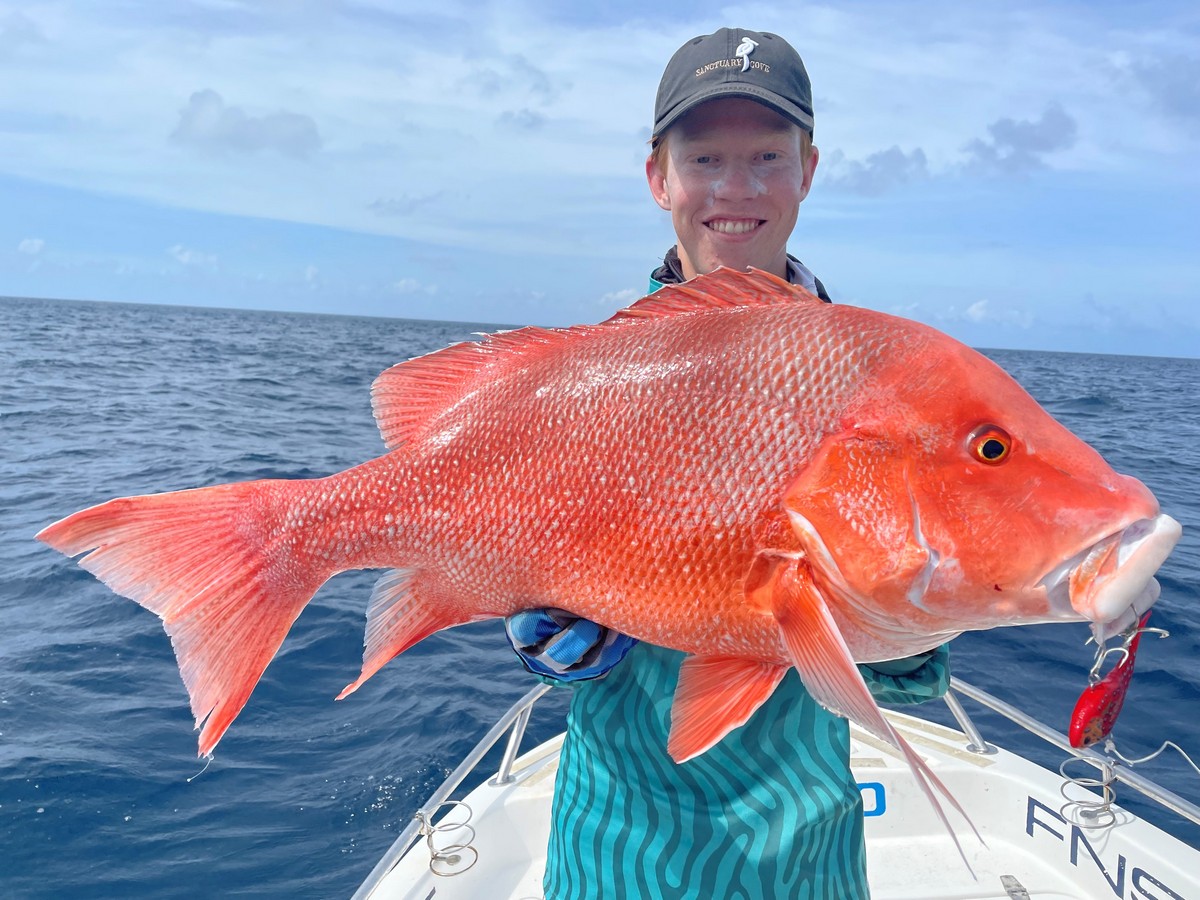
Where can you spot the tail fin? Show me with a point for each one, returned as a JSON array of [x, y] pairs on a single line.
[[206, 563]]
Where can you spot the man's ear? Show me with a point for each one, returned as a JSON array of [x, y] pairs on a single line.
[[809, 168], [656, 177]]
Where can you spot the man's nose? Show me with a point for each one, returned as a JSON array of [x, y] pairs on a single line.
[[738, 181]]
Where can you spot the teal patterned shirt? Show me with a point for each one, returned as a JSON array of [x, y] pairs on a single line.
[[771, 812]]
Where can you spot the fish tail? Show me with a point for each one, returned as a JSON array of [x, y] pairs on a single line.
[[226, 583]]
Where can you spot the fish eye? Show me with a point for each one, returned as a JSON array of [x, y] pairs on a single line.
[[990, 444]]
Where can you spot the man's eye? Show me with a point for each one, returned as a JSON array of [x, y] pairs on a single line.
[[704, 160], [769, 157]]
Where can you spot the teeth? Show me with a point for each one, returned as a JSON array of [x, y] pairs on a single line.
[[733, 226]]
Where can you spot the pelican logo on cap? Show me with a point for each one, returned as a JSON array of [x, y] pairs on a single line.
[[745, 48]]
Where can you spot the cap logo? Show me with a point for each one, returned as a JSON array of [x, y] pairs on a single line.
[[741, 59], [743, 51]]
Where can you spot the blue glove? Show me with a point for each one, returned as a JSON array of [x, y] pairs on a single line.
[[557, 644]]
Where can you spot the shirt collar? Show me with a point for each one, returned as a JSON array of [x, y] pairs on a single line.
[[671, 272]]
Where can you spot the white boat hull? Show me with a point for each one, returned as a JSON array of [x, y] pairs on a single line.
[[1032, 823]]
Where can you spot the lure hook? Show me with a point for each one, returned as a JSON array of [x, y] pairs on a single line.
[[1100, 703], [1125, 650]]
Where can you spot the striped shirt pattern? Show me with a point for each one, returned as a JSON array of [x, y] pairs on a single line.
[[771, 812]]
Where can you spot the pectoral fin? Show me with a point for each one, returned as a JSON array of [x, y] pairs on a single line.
[[818, 651], [715, 695]]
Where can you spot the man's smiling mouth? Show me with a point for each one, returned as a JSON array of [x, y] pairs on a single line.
[[734, 226]]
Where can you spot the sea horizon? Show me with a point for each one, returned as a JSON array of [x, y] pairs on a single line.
[[504, 326]]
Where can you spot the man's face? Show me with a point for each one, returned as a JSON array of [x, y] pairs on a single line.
[[732, 180]]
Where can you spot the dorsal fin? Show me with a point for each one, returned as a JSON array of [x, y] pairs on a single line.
[[411, 396], [724, 288]]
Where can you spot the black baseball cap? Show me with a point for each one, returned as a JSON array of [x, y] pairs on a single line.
[[735, 62]]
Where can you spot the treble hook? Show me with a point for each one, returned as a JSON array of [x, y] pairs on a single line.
[[1128, 639], [1102, 654], [1100, 703]]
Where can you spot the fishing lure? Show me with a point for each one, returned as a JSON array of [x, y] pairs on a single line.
[[1100, 703]]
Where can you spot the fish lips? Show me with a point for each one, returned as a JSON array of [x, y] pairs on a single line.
[[1111, 582]]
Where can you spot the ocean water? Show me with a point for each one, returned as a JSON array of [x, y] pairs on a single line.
[[101, 794]]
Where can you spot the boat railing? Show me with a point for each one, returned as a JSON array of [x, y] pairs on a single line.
[[515, 720], [1109, 768]]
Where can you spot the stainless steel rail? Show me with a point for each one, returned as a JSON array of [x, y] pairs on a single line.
[[516, 718], [1123, 773]]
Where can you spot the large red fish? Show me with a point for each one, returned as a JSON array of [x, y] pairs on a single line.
[[727, 467]]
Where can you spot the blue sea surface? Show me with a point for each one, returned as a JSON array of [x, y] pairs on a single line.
[[98, 789]]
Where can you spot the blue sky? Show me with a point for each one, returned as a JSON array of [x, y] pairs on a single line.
[[1017, 174]]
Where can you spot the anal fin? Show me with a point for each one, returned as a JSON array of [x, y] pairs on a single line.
[[398, 616], [715, 695]]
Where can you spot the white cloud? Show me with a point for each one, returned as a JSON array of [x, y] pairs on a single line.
[[620, 299], [1013, 147], [977, 312], [500, 144], [981, 312], [192, 257], [506, 74], [413, 286], [525, 110], [523, 119], [404, 204], [209, 124], [876, 174], [1173, 83], [1018, 146], [31, 246], [18, 31]]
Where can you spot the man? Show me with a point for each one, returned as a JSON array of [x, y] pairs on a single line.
[[772, 811], [732, 155]]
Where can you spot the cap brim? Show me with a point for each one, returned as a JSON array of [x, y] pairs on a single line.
[[767, 98]]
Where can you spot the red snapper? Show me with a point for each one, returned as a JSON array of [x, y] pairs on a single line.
[[728, 467]]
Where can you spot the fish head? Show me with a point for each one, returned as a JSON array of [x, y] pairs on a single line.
[[948, 500]]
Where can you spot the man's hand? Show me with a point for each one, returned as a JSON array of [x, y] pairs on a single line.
[[560, 645]]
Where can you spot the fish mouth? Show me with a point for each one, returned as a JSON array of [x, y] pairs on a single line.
[[1111, 582]]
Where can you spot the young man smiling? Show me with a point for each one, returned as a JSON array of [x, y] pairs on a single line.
[[732, 173], [772, 811], [733, 156]]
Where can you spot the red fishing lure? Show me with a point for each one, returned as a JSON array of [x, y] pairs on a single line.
[[1100, 703]]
